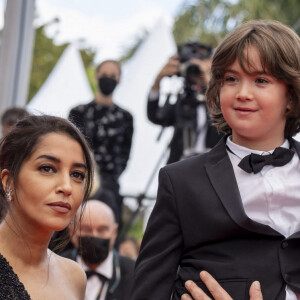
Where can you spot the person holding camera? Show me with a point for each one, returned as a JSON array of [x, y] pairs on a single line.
[[193, 132]]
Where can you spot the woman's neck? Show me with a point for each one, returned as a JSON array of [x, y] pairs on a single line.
[[18, 244]]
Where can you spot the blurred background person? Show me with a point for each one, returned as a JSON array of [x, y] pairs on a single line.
[[10, 117], [129, 247], [109, 274], [189, 116], [108, 128]]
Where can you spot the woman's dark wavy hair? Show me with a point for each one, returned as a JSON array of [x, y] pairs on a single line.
[[279, 50], [22, 141]]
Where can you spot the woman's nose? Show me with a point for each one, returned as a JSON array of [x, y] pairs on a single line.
[[64, 185]]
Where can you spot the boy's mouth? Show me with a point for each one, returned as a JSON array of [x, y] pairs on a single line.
[[244, 109]]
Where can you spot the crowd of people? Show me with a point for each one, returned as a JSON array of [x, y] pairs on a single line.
[[225, 222]]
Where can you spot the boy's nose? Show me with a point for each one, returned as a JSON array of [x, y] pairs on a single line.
[[244, 92]]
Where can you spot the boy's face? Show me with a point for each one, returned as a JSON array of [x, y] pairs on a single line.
[[254, 106]]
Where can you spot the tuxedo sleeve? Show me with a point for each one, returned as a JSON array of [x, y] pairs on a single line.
[[161, 249]]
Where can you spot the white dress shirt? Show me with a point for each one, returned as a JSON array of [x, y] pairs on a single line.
[[273, 197], [94, 284]]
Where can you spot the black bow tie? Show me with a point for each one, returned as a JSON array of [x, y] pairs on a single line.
[[89, 273], [254, 162]]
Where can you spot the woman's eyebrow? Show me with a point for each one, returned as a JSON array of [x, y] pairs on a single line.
[[80, 165], [57, 160], [50, 157]]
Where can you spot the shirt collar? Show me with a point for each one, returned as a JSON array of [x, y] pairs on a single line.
[[241, 151], [105, 268]]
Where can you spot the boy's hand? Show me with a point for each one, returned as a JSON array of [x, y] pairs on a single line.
[[216, 290]]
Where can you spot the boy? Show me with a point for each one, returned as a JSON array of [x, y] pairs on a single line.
[[230, 212]]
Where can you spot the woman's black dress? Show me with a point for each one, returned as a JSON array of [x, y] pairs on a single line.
[[11, 288]]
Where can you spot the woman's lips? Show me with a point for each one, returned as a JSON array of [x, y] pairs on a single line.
[[62, 207]]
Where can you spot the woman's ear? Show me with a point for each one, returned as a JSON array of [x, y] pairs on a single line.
[[4, 178], [7, 185]]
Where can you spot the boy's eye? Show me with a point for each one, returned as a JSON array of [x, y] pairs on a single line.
[[230, 78], [261, 80]]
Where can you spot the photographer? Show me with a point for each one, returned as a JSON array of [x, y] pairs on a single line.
[[189, 116]]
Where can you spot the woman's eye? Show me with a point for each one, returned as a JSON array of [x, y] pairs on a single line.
[[46, 169], [78, 175]]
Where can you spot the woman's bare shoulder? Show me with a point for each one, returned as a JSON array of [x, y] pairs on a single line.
[[72, 273]]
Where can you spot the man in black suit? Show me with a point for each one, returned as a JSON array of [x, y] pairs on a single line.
[[109, 275]]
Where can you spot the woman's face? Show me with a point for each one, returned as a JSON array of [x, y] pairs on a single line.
[[50, 184]]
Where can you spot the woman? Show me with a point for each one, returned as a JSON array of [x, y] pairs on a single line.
[[46, 173]]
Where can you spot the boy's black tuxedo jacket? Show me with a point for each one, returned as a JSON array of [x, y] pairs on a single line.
[[199, 223]]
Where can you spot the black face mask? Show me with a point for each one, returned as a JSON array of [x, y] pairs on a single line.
[[93, 250], [106, 85]]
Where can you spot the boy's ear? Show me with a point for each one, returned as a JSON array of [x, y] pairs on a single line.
[[289, 102]]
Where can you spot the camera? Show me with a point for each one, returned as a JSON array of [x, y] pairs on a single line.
[[194, 88], [188, 51]]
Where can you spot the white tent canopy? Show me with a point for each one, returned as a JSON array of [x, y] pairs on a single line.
[[138, 76], [66, 86]]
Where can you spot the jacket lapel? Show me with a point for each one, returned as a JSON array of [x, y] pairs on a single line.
[[221, 175], [296, 145]]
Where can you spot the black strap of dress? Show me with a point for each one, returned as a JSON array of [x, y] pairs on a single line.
[[10, 285]]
